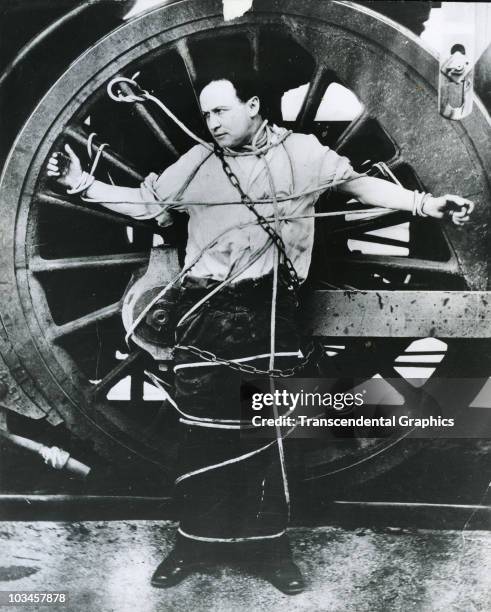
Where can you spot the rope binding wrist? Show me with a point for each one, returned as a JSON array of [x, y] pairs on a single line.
[[419, 200], [86, 180]]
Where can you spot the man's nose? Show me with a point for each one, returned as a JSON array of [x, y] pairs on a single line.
[[213, 122]]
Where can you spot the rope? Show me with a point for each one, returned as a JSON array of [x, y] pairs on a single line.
[[272, 233], [90, 139], [225, 282], [54, 456], [97, 158], [88, 178], [143, 95], [231, 540], [185, 270], [98, 154], [294, 196], [279, 438]]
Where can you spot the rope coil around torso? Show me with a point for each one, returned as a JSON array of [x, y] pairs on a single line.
[[141, 95], [272, 233]]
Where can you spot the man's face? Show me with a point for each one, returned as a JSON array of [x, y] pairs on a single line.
[[230, 121]]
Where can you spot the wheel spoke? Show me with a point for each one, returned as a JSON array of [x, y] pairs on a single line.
[[150, 121], [398, 165], [353, 129], [188, 61], [183, 50], [415, 364], [400, 384], [173, 47], [40, 265], [392, 262], [136, 387], [57, 332], [318, 85], [365, 141], [355, 228], [411, 352], [253, 37], [185, 54], [117, 373], [53, 199], [380, 240], [79, 136]]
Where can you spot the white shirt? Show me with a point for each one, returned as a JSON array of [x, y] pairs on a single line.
[[297, 164]]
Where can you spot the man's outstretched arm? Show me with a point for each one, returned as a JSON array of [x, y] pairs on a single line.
[[378, 192], [114, 197]]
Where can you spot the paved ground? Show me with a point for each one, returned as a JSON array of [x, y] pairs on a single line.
[[105, 567]]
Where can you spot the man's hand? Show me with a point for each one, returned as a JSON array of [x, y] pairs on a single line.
[[455, 207], [379, 192], [66, 168]]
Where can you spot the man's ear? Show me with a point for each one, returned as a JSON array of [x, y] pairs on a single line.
[[253, 105]]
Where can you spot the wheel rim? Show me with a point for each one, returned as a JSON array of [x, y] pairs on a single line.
[[56, 374]]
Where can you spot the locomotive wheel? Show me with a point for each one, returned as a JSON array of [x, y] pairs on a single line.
[[66, 264]]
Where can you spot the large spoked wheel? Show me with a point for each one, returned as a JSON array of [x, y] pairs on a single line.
[[66, 264]]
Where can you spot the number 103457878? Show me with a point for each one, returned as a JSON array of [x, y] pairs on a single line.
[[32, 597]]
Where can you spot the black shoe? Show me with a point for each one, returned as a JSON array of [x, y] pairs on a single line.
[[284, 575], [173, 569]]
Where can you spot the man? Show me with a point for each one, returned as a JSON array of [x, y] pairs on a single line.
[[243, 274]]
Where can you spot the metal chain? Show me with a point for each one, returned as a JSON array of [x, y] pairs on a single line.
[[248, 369], [245, 199], [294, 284]]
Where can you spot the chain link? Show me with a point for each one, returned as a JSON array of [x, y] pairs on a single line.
[[248, 369], [245, 199], [294, 284]]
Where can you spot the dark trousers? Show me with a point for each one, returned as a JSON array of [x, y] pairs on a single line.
[[230, 487]]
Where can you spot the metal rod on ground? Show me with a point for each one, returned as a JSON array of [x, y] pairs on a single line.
[[53, 456]]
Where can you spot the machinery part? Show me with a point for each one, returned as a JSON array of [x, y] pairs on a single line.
[[414, 314], [162, 268], [61, 292], [455, 88], [55, 457], [465, 35], [17, 387]]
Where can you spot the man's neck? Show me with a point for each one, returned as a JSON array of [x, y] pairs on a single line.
[[257, 133]]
